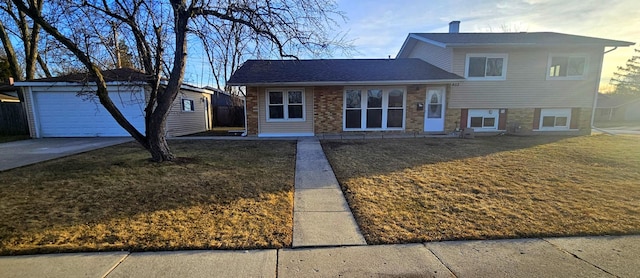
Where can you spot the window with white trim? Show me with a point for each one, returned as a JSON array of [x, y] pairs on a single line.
[[486, 66], [555, 119], [374, 109], [188, 105], [566, 67], [285, 105], [483, 119]]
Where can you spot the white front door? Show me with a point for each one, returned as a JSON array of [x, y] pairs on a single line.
[[434, 110]]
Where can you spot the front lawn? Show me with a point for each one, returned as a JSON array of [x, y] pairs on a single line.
[[429, 189], [218, 195]]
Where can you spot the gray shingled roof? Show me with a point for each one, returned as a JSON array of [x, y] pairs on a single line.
[[523, 38], [338, 71], [122, 74]]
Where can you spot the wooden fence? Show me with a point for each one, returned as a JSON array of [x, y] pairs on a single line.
[[228, 115], [13, 120]]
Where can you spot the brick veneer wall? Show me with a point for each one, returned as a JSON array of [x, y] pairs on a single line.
[[520, 120], [327, 109], [584, 124], [252, 110], [415, 118], [452, 119]]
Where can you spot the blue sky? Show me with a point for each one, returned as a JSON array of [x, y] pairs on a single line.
[[378, 28]]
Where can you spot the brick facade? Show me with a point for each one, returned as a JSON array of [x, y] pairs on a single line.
[[328, 113], [415, 118], [520, 120], [327, 109], [452, 119], [252, 110]]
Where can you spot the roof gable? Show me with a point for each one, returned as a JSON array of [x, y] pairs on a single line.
[[522, 39], [338, 71]]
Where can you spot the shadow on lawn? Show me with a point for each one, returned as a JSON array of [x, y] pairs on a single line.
[[119, 183], [391, 155]]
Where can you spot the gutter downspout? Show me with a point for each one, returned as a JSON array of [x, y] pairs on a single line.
[[246, 126], [595, 98]]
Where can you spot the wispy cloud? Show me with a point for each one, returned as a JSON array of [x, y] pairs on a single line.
[[379, 27]]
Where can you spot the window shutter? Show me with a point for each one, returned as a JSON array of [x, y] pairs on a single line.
[[464, 114], [536, 118], [575, 118], [502, 122]]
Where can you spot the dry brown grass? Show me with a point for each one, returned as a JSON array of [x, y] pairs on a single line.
[[223, 195], [414, 190]]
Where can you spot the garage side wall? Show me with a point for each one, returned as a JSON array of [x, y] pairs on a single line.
[[181, 122]]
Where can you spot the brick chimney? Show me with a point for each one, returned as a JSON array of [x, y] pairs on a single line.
[[454, 26]]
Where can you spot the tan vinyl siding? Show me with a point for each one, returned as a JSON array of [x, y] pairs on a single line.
[[285, 127], [187, 122], [432, 54], [526, 84]]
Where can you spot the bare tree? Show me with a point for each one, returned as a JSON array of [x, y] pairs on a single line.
[[161, 31], [626, 79], [27, 32]]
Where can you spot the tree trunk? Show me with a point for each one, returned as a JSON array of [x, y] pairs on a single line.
[[157, 140], [159, 148]]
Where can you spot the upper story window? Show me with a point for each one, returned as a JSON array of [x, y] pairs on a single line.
[[486, 67], [285, 105], [566, 67]]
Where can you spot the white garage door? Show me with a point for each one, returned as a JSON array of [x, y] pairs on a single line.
[[65, 114]]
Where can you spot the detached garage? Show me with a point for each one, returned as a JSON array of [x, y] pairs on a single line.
[[66, 106]]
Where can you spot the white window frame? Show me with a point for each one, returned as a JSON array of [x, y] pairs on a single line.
[[505, 61], [569, 57], [182, 106], [555, 112], [484, 113], [285, 104], [385, 108]]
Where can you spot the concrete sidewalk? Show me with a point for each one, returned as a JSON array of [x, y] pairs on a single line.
[[321, 215], [607, 256]]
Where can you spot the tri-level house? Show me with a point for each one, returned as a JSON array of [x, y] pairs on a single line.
[[526, 83]]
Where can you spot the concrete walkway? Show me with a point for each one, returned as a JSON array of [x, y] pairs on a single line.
[[321, 216], [616, 256]]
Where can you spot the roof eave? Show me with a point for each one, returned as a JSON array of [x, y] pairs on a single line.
[[72, 84], [535, 44], [346, 83]]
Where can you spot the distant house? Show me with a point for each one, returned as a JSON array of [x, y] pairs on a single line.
[[617, 108], [66, 106], [528, 83]]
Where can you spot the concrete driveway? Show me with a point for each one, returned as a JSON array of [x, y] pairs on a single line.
[[20, 153]]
